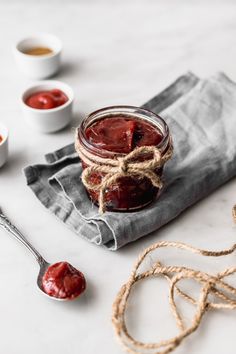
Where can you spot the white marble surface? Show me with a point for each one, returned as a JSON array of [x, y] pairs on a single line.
[[114, 52]]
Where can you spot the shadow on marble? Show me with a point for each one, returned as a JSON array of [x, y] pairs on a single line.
[[75, 122], [68, 69], [77, 118], [15, 160]]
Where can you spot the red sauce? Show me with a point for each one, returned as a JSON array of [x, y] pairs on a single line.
[[47, 99], [122, 135], [63, 281], [1, 139]]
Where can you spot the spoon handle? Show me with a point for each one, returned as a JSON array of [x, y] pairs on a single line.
[[6, 224]]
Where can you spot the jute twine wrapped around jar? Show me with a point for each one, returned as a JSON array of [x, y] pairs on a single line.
[[214, 285], [127, 166]]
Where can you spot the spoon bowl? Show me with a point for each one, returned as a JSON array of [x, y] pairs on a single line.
[[43, 268]]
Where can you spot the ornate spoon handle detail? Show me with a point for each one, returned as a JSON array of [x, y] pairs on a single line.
[[6, 224]]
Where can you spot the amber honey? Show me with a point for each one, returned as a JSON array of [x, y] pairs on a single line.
[[39, 51]]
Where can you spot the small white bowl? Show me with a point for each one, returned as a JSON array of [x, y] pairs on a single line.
[[38, 66], [3, 144], [48, 120]]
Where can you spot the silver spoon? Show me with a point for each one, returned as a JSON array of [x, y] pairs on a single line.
[[9, 227]]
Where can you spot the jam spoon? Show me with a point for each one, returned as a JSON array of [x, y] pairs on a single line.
[[43, 264]]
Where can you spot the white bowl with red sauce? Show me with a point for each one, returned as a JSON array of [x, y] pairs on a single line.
[[3, 144], [38, 64], [47, 106]]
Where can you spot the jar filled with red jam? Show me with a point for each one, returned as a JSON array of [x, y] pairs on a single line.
[[113, 133]]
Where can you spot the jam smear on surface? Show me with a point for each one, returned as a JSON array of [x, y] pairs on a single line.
[[63, 281], [122, 135], [47, 99], [1, 139]]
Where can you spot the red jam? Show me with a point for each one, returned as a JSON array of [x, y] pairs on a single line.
[[1, 139], [114, 132], [122, 135], [47, 99], [63, 281]]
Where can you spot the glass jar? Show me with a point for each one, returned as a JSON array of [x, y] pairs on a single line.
[[127, 193]]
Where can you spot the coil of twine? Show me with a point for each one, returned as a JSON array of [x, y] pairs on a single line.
[[119, 167], [210, 285]]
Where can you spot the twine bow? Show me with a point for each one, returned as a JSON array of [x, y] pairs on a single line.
[[125, 166], [215, 285]]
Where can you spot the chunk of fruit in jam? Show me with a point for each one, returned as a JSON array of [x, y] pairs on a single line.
[[122, 135]]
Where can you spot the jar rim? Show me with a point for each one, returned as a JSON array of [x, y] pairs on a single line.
[[123, 110]]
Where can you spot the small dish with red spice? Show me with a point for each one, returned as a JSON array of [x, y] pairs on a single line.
[[47, 106], [3, 144]]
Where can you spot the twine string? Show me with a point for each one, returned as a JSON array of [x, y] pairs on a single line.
[[216, 285], [126, 166], [234, 213]]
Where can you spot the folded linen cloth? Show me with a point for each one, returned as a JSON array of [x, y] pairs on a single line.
[[201, 115]]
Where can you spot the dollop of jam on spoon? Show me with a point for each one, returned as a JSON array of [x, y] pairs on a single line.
[[63, 281]]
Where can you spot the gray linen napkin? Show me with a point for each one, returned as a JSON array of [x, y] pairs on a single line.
[[201, 115]]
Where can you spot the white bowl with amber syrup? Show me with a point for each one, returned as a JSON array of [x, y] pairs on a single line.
[[39, 56], [3, 144]]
